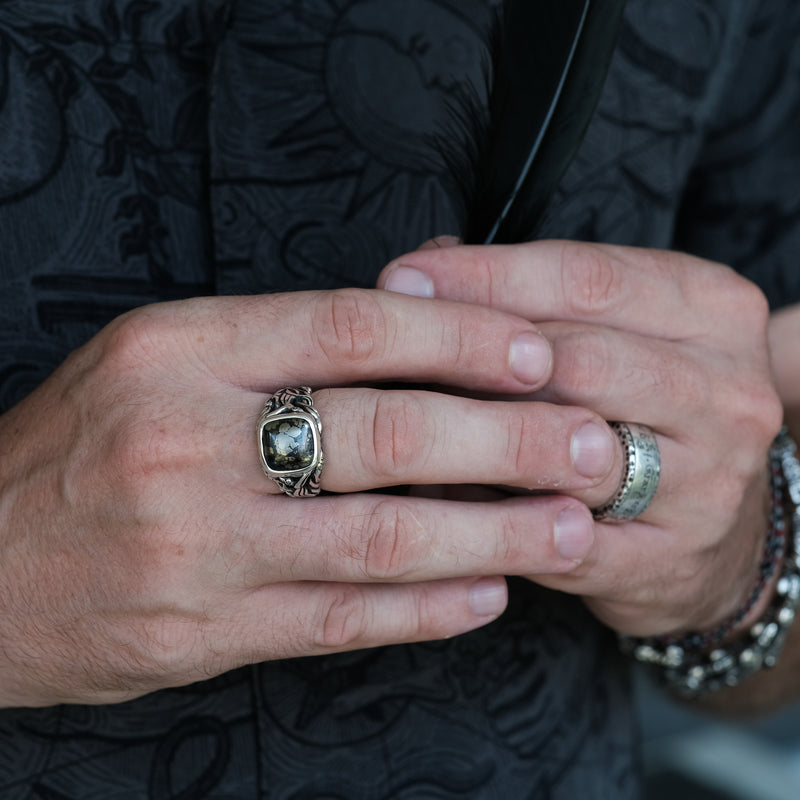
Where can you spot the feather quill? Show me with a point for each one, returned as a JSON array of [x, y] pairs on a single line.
[[549, 62]]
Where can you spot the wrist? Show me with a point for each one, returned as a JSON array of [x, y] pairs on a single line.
[[752, 638]]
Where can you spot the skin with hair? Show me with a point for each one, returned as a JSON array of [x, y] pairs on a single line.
[[686, 347], [175, 559], [143, 546]]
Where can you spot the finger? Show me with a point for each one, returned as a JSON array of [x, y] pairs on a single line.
[[647, 579], [688, 396], [657, 293], [628, 377], [370, 538], [291, 620], [378, 438], [346, 336], [673, 389], [626, 570], [420, 285]]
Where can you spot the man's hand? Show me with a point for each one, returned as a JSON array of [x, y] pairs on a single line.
[[141, 546], [662, 339]]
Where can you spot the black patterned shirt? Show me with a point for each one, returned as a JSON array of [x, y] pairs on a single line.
[[161, 149]]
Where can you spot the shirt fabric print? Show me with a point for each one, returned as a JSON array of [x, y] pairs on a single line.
[[154, 150]]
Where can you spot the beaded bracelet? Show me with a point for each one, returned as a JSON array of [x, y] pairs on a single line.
[[688, 665], [774, 548]]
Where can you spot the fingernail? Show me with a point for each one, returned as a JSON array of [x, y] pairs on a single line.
[[488, 597], [574, 534], [439, 242], [447, 241], [530, 358], [592, 450], [407, 280]]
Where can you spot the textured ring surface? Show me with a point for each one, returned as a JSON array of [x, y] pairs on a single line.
[[290, 442], [642, 472]]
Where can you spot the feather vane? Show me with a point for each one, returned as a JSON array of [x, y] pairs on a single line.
[[549, 62]]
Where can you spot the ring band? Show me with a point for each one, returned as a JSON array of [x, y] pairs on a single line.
[[642, 471], [290, 442]]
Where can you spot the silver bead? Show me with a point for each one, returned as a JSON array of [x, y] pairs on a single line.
[[729, 667], [674, 656], [723, 662], [750, 659], [770, 632], [785, 616], [697, 673], [646, 654]]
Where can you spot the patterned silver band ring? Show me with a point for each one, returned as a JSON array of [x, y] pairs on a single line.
[[642, 472], [290, 442]]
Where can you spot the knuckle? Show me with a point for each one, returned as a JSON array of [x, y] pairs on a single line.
[[591, 281], [747, 393], [519, 456], [349, 326], [739, 306], [344, 619], [488, 277], [455, 348], [389, 543], [400, 437], [510, 551], [754, 303], [167, 645], [763, 409], [751, 408], [746, 301], [424, 619], [135, 339], [517, 448]]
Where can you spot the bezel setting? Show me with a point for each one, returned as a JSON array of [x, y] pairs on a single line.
[[292, 406], [281, 416]]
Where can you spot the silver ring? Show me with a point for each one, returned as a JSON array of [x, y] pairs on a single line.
[[642, 471], [290, 442]]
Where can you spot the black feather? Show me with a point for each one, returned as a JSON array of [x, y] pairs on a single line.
[[549, 63]]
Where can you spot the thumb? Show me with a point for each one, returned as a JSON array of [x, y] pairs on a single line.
[[410, 281]]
